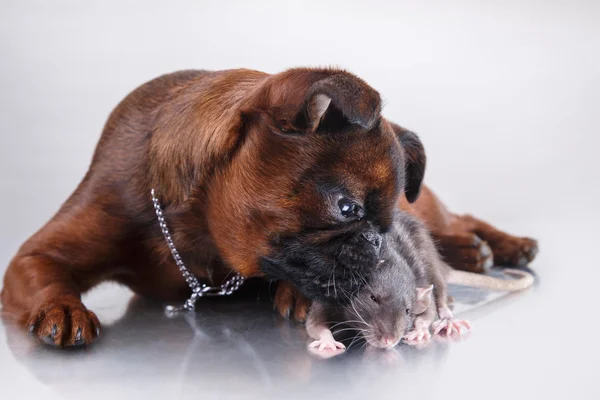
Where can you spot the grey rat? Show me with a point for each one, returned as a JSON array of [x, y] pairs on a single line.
[[406, 295], [383, 310]]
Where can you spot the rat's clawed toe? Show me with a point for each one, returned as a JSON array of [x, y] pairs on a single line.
[[446, 326], [326, 344], [417, 335]]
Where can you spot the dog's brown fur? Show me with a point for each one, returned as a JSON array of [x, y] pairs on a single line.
[[179, 134]]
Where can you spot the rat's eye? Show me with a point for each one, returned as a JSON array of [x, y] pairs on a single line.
[[348, 208], [374, 299], [407, 311]]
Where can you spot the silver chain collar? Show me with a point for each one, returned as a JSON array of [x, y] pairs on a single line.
[[198, 289]]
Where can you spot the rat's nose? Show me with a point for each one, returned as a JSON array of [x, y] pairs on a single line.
[[389, 341]]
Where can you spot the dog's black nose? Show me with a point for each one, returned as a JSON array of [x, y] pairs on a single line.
[[372, 237]]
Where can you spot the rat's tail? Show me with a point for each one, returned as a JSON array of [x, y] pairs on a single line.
[[523, 281]]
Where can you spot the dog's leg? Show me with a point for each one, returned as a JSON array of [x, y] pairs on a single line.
[[457, 245], [464, 251], [465, 242], [290, 303], [508, 250], [44, 281], [473, 245]]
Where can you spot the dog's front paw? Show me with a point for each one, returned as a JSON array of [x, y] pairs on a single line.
[[466, 252], [64, 322], [290, 303], [513, 251]]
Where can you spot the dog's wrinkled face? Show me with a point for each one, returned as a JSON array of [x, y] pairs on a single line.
[[342, 204], [310, 193]]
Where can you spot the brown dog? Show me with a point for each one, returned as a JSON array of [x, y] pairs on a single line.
[[282, 176]]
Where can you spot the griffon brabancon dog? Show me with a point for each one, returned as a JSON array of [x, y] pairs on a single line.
[[283, 176]]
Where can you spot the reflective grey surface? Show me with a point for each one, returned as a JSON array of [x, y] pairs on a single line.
[[534, 344], [233, 347], [505, 96]]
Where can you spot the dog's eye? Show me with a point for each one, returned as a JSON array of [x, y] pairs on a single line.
[[348, 208], [374, 299]]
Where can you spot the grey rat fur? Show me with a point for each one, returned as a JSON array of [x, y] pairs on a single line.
[[406, 294]]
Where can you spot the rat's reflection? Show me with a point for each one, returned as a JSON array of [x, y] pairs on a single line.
[[235, 343]]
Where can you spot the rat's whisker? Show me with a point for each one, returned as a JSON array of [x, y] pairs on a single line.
[[333, 273], [335, 323], [363, 279], [352, 277], [345, 329], [353, 340], [329, 281], [358, 314], [361, 303], [346, 323]]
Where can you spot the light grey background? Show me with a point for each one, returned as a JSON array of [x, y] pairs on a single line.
[[505, 95]]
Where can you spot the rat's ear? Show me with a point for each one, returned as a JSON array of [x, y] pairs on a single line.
[[414, 161], [424, 297], [425, 292]]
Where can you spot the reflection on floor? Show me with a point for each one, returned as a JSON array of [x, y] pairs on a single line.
[[235, 346]]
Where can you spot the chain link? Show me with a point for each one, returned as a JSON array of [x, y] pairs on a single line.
[[198, 289]]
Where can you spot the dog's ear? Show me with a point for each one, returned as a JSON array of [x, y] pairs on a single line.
[[336, 101], [322, 101], [414, 162]]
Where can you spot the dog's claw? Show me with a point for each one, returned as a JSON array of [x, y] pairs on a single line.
[[78, 339], [485, 250], [532, 252], [49, 340], [523, 261], [488, 263]]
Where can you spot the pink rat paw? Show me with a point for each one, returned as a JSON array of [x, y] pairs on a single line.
[[417, 335], [326, 344], [446, 326]]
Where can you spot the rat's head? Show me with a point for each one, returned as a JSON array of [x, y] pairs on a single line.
[[383, 310]]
